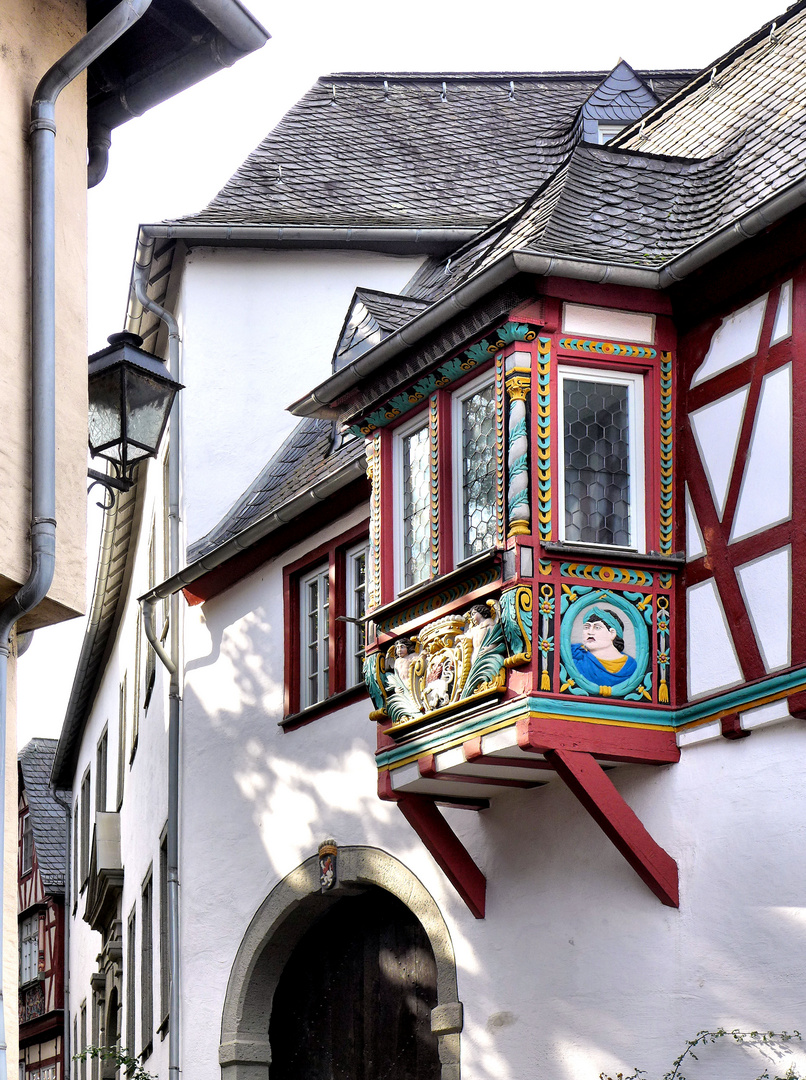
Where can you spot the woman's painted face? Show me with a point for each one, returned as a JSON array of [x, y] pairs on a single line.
[[597, 636]]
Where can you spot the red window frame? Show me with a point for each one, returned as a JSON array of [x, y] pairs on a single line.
[[334, 554]]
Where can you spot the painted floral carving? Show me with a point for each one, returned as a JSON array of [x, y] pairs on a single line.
[[451, 659]]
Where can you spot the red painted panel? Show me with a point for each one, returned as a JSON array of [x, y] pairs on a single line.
[[607, 742]]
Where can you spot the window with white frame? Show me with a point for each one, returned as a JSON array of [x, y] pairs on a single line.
[[602, 459], [355, 570], [607, 131], [413, 470], [27, 845], [474, 467], [29, 948], [314, 591]]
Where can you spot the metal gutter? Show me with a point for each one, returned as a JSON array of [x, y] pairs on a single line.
[[287, 512], [319, 402], [43, 358], [414, 237]]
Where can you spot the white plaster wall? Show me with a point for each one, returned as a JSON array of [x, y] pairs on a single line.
[[259, 329], [577, 967], [143, 812]]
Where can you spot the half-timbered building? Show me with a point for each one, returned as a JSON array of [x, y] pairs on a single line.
[[482, 702], [42, 858]]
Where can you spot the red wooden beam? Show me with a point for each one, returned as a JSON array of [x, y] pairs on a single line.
[[796, 704], [609, 742], [588, 781], [731, 726], [447, 849]]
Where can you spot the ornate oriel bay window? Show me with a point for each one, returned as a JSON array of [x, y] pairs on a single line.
[[521, 569]]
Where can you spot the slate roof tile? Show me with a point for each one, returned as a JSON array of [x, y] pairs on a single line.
[[415, 158], [47, 815]]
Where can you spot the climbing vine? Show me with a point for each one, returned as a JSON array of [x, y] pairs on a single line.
[[121, 1058], [755, 1039]]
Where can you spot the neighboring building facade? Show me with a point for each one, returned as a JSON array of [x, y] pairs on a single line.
[[539, 528], [126, 81], [42, 860]]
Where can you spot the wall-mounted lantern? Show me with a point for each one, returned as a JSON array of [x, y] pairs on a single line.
[[130, 398]]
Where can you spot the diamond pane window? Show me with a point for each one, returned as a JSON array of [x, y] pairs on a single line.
[[416, 507], [602, 459], [478, 448], [315, 631]]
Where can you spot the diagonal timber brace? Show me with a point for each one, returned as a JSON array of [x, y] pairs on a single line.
[[594, 789], [444, 845]]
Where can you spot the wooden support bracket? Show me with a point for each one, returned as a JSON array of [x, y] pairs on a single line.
[[447, 849], [591, 785], [796, 704]]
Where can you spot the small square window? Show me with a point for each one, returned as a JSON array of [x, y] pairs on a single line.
[[608, 131]]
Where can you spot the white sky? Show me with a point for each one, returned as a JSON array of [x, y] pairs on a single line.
[[173, 160]]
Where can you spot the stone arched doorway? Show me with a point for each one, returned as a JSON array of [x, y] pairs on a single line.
[[295, 905]]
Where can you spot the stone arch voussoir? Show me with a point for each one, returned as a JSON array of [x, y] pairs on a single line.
[[278, 925]]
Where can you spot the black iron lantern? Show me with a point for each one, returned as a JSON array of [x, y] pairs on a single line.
[[130, 398]]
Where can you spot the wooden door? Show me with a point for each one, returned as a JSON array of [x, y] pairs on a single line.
[[355, 999]]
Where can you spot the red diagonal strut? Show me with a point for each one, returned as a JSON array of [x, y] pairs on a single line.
[[591, 785], [447, 849]]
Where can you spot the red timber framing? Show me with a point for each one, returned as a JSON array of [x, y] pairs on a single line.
[[444, 845], [573, 751], [722, 557]]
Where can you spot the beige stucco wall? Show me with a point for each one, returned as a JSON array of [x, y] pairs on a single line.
[[33, 35], [10, 947]]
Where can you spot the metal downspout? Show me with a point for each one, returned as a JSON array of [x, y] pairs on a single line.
[[43, 361], [175, 691]]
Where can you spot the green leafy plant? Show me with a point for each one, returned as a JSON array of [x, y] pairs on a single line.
[[703, 1038], [120, 1057]]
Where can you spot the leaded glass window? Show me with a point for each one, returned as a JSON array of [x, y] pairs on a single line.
[[416, 506], [315, 632], [602, 457], [478, 449]]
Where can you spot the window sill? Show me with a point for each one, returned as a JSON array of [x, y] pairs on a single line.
[[486, 558], [164, 1026], [616, 554], [329, 704]]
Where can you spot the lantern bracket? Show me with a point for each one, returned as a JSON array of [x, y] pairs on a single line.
[[112, 484]]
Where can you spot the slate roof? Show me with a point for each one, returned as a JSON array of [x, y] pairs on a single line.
[[425, 149], [47, 816], [691, 167], [751, 102], [305, 458], [371, 317]]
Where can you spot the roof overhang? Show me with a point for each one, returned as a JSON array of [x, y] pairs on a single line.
[[176, 44], [322, 401]]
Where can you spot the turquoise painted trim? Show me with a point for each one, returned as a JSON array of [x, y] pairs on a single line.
[[433, 740], [594, 710]]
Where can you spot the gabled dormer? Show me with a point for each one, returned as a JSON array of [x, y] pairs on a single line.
[[617, 101], [372, 317]]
